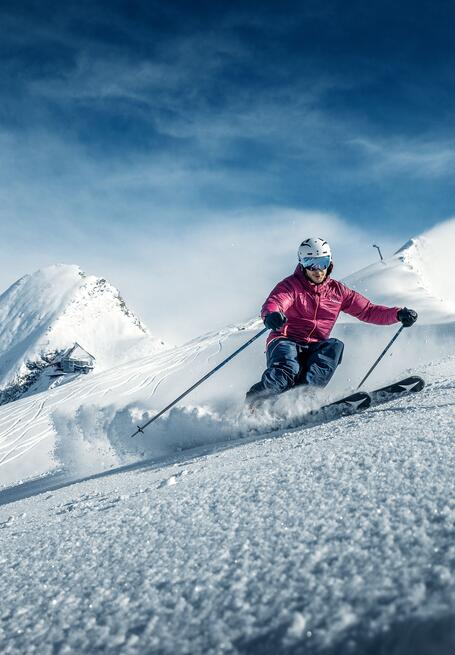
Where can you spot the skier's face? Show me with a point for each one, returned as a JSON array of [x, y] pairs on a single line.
[[316, 276]]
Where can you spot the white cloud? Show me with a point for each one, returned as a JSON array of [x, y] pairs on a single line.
[[195, 279], [142, 219], [419, 158]]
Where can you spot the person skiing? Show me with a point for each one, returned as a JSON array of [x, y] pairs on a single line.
[[301, 312]]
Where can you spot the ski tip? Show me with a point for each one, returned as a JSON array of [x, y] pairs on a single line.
[[357, 400], [419, 384]]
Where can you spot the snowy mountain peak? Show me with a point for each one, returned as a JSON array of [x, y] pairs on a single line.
[[406, 246], [418, 275], [48, 311]]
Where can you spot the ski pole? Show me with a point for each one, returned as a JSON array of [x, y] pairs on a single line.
[[381, 355], [141, 428]]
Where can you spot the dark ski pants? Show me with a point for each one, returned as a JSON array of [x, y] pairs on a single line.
[[290, 364]]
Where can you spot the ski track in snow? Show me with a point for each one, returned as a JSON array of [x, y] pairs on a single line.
[[28, 421], [155, 380]]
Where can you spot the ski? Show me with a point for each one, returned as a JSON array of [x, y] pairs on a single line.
[[345, 406], [351, 403], [348, 405], [404, 387], [362, 400]]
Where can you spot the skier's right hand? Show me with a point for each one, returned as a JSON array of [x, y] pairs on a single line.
[[407, 316], [275, 320]]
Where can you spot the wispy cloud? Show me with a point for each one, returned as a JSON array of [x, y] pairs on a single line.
[[119, 129], [415, 158]]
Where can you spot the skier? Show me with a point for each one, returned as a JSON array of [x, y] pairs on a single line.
[[301, 312]]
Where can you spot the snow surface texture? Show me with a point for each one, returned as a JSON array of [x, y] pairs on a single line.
[[45, 313], [205, 535], [337, 540]]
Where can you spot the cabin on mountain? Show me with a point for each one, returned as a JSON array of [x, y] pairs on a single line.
[[75, 360]]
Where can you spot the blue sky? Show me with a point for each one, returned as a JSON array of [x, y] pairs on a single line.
[[130, 129]]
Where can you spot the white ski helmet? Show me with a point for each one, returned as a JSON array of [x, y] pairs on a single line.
[[314, 247]]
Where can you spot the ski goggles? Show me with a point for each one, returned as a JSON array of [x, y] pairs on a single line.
[[316, 263]]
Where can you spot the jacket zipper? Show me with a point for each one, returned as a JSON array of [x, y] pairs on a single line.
[[315, 314]]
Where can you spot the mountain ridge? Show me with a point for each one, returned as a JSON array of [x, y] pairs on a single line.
[[45, 312]]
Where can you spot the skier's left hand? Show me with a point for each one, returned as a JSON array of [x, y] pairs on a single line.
[[407, 316]]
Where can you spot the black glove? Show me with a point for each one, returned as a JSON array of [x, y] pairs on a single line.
[[275, 320], [407, 316]]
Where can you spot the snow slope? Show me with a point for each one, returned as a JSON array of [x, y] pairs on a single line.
[[207, 535], [337, 540], [45, 313], [420, 275]]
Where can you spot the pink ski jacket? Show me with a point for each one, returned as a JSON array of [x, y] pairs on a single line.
[[312, 309]]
